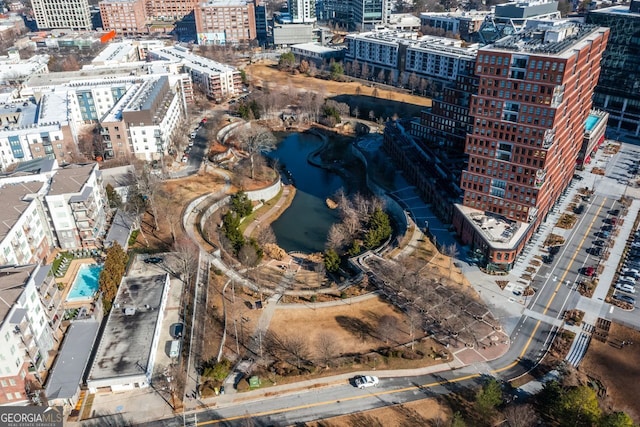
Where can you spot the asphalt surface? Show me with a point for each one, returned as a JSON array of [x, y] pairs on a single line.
[[555, 286]]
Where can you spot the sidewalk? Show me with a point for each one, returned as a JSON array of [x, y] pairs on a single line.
[[286, 189]]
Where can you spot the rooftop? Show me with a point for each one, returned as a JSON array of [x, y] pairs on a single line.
[[427, 43], [117, 51], [314, 47], [13, 281], [15, 202], [70, 179], [120, 229], [190, 60], [500, 232], [223, 3], [66, 374], [127, 339], [559, 39], [618, 10]]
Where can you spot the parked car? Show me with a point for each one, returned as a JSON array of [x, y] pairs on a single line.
[[598, 243], [203, 121], [364, 381], [625, 288], [629, 271], [615, 212], [589, 271], [191, 143], [153, 260], [185, 159], [595, 251], [193, 135], [577, 177], [176, 330], [578, 209], [624, 298], [554, 250]]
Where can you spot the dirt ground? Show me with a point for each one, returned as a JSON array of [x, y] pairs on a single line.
[[617, 368], [266, 72], [421, 413]]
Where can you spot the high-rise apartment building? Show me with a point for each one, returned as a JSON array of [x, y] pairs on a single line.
[[225, 22], [73, 14], [618, 90], [126, 17], [302, 11], [529, 114]]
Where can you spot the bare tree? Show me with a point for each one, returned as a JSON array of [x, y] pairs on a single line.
[[366, 73], [186, 254], [296, 346], [148, 185], [336, 237], [372, 115], [326, 347], [266, 235], [520, 415], [356, 112], [414, 317], [381, 76], [256, 139], [414, 81], [386, 327], [452, 252]]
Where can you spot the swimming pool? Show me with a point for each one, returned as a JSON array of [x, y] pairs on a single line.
[[591, 122], [85, 284]]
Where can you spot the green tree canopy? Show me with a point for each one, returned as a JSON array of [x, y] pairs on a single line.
[[488, 398], [331, 260], [337, 70], [115, 201], [378, 229], [616, 419], [286, 61], [241, 204], [579, 407], [111, 275]]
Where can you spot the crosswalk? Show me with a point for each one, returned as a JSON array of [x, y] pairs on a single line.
[[580, 345]]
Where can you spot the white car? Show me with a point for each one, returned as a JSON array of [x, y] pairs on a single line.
[[625, 287], [364, 381]]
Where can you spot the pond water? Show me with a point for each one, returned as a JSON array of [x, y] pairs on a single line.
[[305, 224]]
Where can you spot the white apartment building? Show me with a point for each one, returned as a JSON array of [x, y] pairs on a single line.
[[25, 237], [31, 129], [76, 202], [396, 55], [26, 337], [14, 70], [217, 81], [72, 14]]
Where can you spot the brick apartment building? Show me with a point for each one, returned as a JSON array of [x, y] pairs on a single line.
[[127, 17], [225, 22], [534, 96]]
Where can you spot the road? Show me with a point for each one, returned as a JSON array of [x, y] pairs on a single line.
[[555, 292]]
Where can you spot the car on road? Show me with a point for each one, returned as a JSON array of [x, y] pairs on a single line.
[[624, 287], [153, 260], [624, 298], [176, 330], [364, 381]]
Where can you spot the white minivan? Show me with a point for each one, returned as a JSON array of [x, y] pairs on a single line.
[[625, 287]]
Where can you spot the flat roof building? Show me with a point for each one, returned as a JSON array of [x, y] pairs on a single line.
[[72, 14], [126, 17], [126, 354], [225, 22], [528, 120], [618, 90]]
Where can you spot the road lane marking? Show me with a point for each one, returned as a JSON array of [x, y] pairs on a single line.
[[346, 399], [428, 385]]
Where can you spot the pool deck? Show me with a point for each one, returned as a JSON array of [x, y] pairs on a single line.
[[69, 277]]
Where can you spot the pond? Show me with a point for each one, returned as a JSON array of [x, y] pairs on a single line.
[[304, 226]]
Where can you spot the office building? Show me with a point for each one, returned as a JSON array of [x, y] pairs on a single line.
[[618, 90], [68, 14], [125, 17], [225, 22], [464, 24], [262, 25], [302, 11], [529, 115]]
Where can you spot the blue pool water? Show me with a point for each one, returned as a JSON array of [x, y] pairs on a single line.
[[591, 122], [86, 283]]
